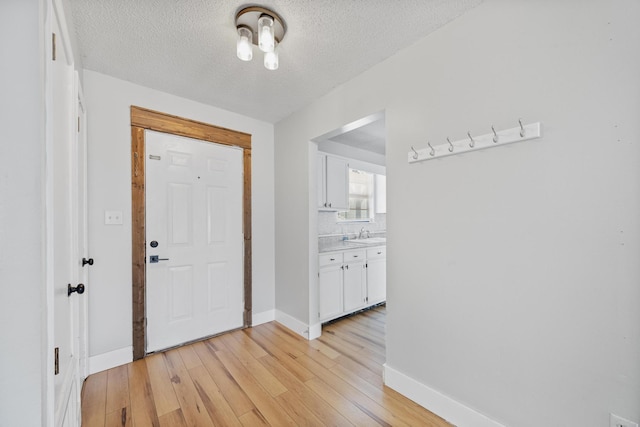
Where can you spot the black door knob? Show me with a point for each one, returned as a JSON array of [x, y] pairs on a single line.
[[71, 289], [87, 261]]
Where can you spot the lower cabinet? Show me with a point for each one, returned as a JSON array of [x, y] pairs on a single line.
[[354, 283], [376, 275], [330, 284], [349, 282]]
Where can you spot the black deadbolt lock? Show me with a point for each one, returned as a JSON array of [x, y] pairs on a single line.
[[153, 244]]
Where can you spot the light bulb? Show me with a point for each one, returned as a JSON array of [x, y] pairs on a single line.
[[244, 46], [271, 59], [266, 36]]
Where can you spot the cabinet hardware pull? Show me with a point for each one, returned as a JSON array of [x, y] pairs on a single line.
[[379, 253], [332, 259]]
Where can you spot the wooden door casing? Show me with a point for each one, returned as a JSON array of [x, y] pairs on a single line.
[[141, 119]]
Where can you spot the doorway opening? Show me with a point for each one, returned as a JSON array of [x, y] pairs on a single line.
[[348, 256], [144, 119]]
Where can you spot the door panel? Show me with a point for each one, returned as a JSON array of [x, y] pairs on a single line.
[[67, 197], [354, 285], [194, 213]]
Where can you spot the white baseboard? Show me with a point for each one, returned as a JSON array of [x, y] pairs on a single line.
[[104, 361], [451, 410], [292, 323], [263, 317]]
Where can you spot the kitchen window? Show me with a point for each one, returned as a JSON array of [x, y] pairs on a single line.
[[361, 190]]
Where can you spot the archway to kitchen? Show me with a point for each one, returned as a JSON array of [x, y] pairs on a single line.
[[347, 217]]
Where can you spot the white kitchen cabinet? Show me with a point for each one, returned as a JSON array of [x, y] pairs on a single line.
[[350, 280], [354, 280], [330, 286], [376, 275], [333, 183]]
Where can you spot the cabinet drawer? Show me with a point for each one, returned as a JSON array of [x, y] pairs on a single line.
[[330, 259], [354, 256], [377, 253]]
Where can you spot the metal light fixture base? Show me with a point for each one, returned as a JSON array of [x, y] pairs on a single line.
[[249, 16]]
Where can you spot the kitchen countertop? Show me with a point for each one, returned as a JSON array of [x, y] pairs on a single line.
[[344, 245]]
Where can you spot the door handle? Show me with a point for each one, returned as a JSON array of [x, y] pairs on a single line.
[[87, 261], [156, 258], [71, 289]]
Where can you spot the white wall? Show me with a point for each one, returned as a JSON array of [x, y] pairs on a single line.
[[22, 262], [109, 139], [513, 271]]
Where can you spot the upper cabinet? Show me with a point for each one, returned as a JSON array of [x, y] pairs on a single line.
[[333, 183]]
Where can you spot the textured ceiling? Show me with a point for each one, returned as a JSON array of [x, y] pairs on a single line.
[[187, 47]]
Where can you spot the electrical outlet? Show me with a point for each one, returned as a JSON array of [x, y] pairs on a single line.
[[113, 217], [617, 421]]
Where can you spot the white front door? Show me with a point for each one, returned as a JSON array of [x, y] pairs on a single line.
[[194, 241]]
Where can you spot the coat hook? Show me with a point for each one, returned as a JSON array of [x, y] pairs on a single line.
[[450, 145], [432, 152], [472, 143], [415, 153], [495, 135], [521, 128]]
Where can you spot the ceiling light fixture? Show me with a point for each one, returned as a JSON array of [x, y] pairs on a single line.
[[262, 27]]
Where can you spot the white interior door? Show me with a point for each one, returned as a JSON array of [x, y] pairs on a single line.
[[194, 241], [64, 235], [82, 261]]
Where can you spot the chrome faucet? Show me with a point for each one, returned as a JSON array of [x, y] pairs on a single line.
[[362, 231]]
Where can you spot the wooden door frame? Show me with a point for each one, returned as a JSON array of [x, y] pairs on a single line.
[[141, 120]]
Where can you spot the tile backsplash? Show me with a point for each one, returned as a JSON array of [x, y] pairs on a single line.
[[328, 225]]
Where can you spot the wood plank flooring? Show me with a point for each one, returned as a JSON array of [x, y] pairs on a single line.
[[261, 376]]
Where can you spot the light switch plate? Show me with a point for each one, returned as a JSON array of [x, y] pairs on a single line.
[[113, 217], [617, 421]]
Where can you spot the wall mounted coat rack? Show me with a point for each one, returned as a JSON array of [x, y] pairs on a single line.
[[473, 143]]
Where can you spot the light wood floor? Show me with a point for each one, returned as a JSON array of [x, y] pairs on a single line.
[[266, 375]]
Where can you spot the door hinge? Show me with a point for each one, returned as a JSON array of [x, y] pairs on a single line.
[[318, 315], [53, 46], [78, 124], [56, 361]]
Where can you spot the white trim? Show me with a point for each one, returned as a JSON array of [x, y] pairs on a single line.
[[64, 29], [64, 396], [109, 360], [451, 410], [263, 317], [292, 323], [315, 331]]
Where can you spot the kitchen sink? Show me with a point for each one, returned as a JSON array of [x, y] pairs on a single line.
[[370, 241]]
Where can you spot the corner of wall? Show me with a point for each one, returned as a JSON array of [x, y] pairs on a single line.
[[294, 324]]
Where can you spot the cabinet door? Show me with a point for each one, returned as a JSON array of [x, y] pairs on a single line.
[[354, 286], [337, 183], [330, 292], [322, 180], [377, 280]]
